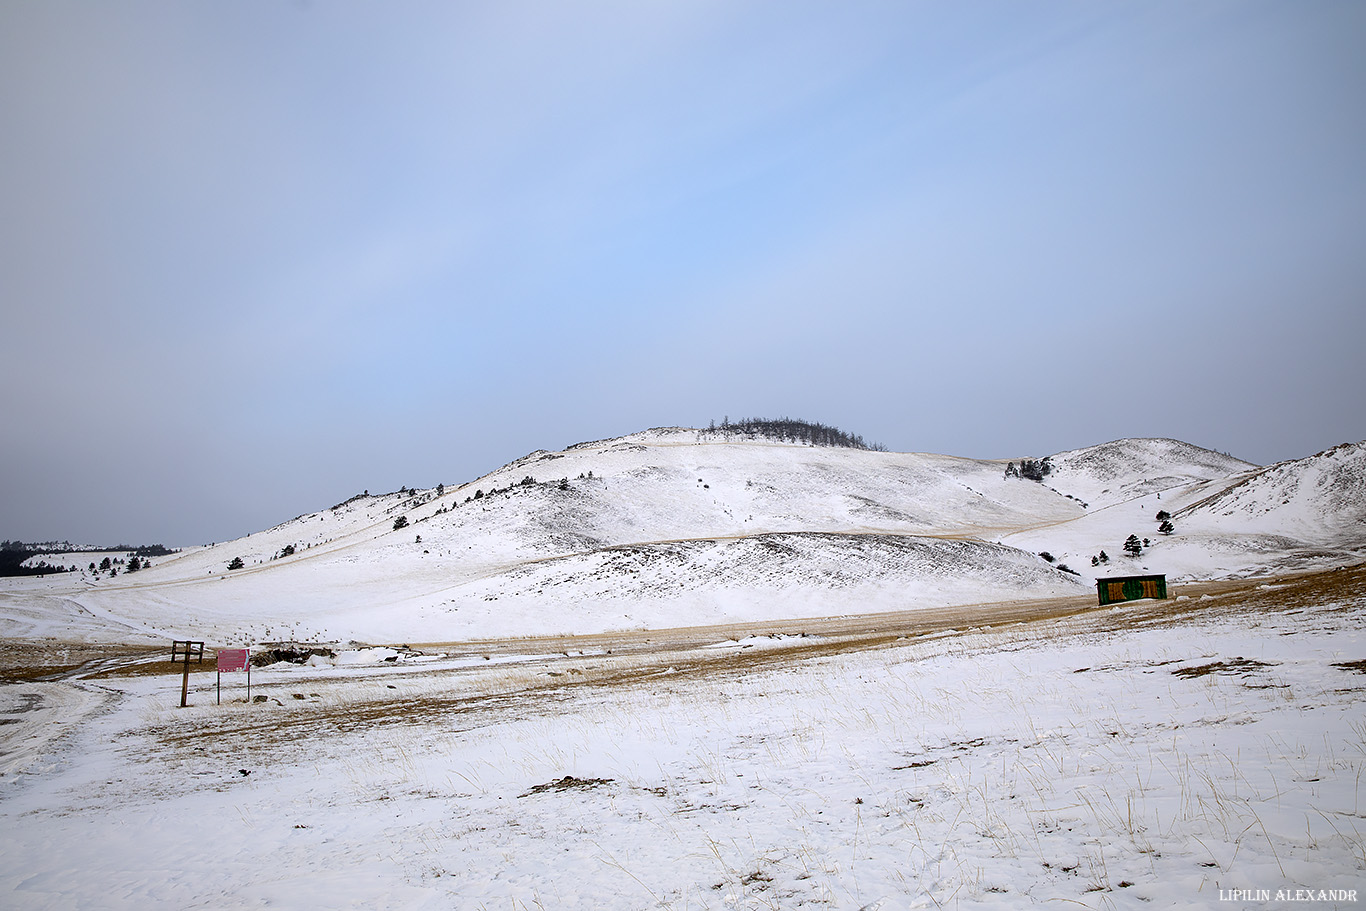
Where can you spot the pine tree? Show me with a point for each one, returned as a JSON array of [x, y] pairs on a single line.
[[1132, 546]]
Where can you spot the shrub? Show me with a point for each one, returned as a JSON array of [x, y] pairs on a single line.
[[795, 431]]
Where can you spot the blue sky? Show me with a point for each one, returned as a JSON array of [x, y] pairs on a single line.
[[259, 256]]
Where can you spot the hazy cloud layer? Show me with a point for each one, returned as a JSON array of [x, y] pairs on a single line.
[[256, 257]]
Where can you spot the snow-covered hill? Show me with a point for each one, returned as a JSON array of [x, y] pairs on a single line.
[[1228, 518], [1126, 469], [677, 527], [1320, 499]]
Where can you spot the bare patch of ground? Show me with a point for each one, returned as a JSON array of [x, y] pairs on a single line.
[[568, 783], [54, 659], [1233, 667]]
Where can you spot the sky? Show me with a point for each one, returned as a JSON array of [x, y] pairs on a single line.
[[257, 257]]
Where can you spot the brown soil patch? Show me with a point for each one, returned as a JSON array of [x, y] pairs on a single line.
[[1234, 666], [568, 783], [52, 659]]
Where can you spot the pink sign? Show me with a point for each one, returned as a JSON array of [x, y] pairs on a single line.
[[232, 659]]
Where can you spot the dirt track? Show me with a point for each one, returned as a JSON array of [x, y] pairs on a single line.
[[855, 631], [523, 677], [51, 659]]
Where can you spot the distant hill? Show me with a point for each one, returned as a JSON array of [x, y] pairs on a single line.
[[679, 526], [1321, 499], [1227, 517], [18, 558], [1124, 469]]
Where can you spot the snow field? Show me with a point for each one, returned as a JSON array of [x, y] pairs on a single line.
[[1036, 763], [37, 714]]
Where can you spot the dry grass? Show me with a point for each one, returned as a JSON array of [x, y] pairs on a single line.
[[1234, 666], [49, 659], [470, 697]]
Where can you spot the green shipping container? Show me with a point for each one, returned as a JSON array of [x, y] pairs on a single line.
[[1131, 588]]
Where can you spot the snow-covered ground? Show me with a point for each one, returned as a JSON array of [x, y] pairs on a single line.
[[782, 684], [1183, 754]]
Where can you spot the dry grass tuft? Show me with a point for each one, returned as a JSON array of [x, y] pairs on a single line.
[[1234, 666]]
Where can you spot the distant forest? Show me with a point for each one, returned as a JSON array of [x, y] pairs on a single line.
[[791, 430], [14, 553]]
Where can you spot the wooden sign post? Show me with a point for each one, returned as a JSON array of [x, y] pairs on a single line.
[[184, 651], [233, 659]]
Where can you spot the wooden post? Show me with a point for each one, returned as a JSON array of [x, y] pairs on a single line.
[[185, 650]]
